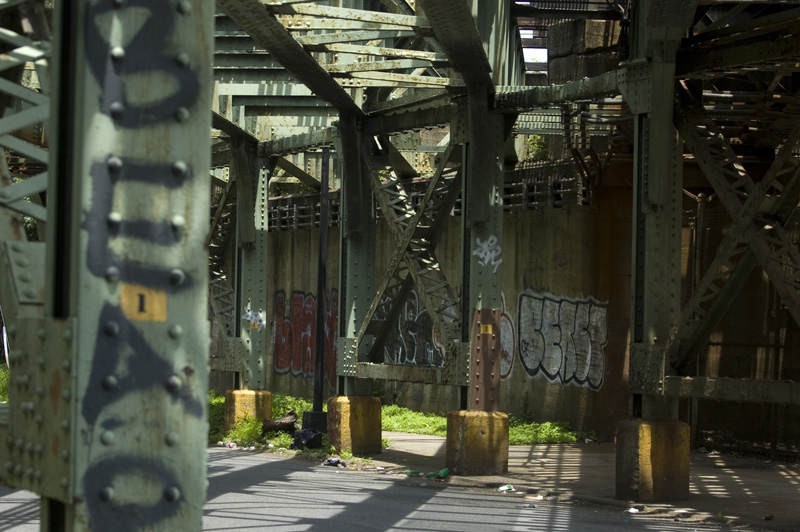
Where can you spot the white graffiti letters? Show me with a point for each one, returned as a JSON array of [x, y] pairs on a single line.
[[563, 338], [488, 252], [257, 320]]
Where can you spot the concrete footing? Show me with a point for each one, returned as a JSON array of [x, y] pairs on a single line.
[[477, 442], [241, 404], [354, 424], [652, 460]]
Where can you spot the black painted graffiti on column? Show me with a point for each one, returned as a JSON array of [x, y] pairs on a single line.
[[114, 65], [563, 338], [146, 81]]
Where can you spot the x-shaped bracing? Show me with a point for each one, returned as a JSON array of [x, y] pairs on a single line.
[[756, 234], [417, 232]]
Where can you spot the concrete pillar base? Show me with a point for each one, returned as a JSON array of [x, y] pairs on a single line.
[[240, 404], [477, 443], [354, 424], [652, 460]]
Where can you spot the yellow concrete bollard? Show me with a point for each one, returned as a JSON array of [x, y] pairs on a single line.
[[652, 460], [477, 442], [240, 404], [354, 424]]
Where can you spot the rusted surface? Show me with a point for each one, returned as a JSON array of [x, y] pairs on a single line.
[[484, 372]]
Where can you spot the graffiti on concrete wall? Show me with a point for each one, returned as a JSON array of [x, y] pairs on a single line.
[[294, 334], [411, 341], [563, 338], [508, 342]]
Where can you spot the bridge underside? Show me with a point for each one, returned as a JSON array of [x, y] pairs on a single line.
[[393, 125]]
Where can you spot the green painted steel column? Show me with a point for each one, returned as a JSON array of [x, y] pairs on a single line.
[[252, 174], [357, 256], [123, 377], [482, 234]]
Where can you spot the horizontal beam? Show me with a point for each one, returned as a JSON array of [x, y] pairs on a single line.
[[226, 126], [404, 373], [521, 10], [521, 99], [458, 35], [738, 390], [696, 61], [302, 176], [420, 119], [359, 15], [254, 18], [299, 143]]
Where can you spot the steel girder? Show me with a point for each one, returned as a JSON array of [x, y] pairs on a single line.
[[414, 263], [454, 25], [260, 23], [754, 228], [126, 275]]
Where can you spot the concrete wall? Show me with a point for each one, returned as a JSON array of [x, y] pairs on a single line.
[[566, 286]]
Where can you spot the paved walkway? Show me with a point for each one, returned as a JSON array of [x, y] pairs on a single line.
[[743, 490]]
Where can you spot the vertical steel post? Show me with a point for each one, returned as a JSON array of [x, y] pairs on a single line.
[[252, 174], [124, 345], [357, 250], [482, 235], [317, 419]]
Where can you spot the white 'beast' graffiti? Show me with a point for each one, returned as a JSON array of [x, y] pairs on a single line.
[[563, 338]]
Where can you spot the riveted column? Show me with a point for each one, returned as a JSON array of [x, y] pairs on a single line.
[[252, 181], [357, 253], [647, 468], [354, 421], [129, 203], [482, 244]]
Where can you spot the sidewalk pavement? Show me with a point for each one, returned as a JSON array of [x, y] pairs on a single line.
[[724, 488]]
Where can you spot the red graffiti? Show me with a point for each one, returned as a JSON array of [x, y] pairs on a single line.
[[294, 336]]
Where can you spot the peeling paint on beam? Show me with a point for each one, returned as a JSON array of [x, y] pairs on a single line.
[[226, 126], [254, 18], [352, 14], [689, 62], [729, 389], [521, 99], [455, 30], [299, 143]]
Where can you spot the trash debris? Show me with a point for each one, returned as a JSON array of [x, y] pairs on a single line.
[[334, 462], [769, 517], [529, 506], [412, 473], [438, 475], [588, 440], [311, 438], [540, 497], [379, 468], [505, 489], [271, 446], [632, 511], [220, 444], [552, 498], [230, 445]]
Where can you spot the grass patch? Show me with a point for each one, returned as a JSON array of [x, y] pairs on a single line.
[[399, 419], [521, 432], [4, 378], [394, 418], [283, 403], [216, 417]]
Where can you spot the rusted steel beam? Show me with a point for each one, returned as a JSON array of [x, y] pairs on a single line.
[[226, 126], [255, 18], [521, 99], [455, 30], [738, 390]]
